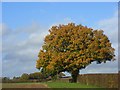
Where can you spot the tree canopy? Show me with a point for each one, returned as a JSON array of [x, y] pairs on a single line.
[[73, 47]]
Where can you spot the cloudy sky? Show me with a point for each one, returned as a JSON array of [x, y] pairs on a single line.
[[24, 26]]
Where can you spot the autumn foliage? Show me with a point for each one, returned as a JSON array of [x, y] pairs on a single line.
[[73, 47]]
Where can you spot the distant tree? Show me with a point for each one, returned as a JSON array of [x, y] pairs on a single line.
[[5, 78], [24, 76], [16, 78], [73, 47], [36, 75], [0, 79]]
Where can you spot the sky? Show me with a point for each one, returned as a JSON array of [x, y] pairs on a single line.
[[24, 26], [60, 0]]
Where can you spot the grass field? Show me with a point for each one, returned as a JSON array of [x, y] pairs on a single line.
[[46, 85]]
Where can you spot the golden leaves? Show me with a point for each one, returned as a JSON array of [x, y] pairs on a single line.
[[73, 46], [50, 67]]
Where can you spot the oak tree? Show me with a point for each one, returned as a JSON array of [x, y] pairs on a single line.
[[73, 47]]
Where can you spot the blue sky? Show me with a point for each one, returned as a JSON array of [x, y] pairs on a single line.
[[24, 26], [20, 14]]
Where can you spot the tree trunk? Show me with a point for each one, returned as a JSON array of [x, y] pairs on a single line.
[[74, 75]]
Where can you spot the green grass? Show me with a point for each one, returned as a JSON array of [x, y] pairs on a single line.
[[68, 85]]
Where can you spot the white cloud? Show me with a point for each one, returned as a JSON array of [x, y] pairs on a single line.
[[110, 27], [108, 67], [4, 30], [21, 47], [0, 29]]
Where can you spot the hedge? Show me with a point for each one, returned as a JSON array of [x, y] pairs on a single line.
[[101, 80]]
